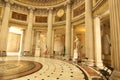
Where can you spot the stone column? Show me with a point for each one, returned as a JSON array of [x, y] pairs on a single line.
[[4, 30], [52, 54], [68, 33], [115, 32], [97, 36], [28, 35], [37, 49], [23, 40], [34, 35], [94, 2], [49, 33], [89, 32], [72, 42], [32, 42]]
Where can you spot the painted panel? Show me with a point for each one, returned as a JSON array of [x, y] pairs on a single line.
[[79, 10], [19, 16], [41, 19]]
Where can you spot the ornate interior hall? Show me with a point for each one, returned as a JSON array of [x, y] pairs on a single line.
[[59, 40]]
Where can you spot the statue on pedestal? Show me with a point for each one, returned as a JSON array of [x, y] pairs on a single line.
[[77, 54]]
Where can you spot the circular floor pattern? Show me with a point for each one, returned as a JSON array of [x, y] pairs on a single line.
[[14, 68]]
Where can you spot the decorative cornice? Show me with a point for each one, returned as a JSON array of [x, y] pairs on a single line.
[[41, 12], [19, 22], [19, 8], [59, 23], [78, 18], [40, 24], [98, 4], [41, 7], [100, 7], [41, 2]]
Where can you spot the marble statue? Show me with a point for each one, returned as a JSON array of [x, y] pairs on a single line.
[[77, 48]]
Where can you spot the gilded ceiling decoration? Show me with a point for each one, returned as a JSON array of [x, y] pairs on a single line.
[[41, 2]]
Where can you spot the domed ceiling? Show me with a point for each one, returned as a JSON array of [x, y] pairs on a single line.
[[41, 2]]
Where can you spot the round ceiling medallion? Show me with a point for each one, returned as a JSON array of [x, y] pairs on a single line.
[[60, 13]]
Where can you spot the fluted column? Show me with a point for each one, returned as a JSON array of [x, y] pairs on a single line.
[[68, 33], [97, 36], [28, 34], [49, 33], [115, 32], [4, 30], [89, 32]]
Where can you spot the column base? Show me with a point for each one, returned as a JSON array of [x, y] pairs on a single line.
[[51, 56], [99, 64], [3, 53], [26, 53], [90, 62], [67, 57]]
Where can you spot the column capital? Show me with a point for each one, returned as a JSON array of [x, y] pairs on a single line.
[[50, 9], [7, 4], [97, 16], [6, 0], [31, 8], [68, 2], [9, 1]]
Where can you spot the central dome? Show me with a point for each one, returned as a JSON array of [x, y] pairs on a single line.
[[41, 2]]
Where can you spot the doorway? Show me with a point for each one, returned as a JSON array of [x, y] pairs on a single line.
[[14, 42]]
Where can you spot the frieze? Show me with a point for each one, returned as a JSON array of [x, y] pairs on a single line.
[[19, 8], [41, 12]]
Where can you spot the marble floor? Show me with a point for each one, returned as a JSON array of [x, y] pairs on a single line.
[[52, 69]]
